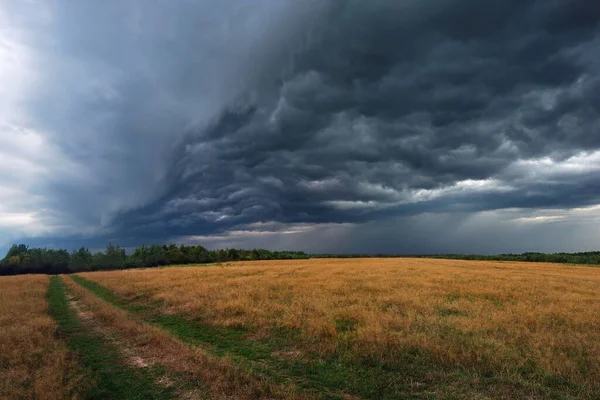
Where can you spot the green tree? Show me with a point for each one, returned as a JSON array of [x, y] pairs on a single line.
[[81, 260]]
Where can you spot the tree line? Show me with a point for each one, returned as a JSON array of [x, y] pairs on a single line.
[[589, 257], [21, 259]]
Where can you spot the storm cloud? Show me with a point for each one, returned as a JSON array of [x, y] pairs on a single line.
[[359, 126]]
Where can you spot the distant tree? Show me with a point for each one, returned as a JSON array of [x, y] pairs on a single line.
[[81, 260], [21, 259], [115, 257], [17, 250], [173, 254]]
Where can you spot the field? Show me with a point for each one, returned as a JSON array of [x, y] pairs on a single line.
[[319, 328], [34, 362]]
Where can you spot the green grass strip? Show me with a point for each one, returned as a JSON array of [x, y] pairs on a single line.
[[335, 377], [110, 377], [99, 291], [327, 377]]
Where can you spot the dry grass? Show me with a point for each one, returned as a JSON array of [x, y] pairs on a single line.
[[492, 316], [149, 345], [33, 363]]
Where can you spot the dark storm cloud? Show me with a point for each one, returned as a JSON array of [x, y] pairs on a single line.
[[111, 88], [399, 108], [207, 118]]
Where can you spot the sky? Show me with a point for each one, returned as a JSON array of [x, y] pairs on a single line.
[[329, 126]]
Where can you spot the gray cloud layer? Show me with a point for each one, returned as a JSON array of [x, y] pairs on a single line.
[[219, 121]]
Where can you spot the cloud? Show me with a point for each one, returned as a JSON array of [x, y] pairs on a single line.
[[96, 97], [202, 120]]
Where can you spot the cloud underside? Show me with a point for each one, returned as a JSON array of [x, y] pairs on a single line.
[[334, 126]]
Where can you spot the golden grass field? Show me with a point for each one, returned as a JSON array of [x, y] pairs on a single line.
[[490, 315], [393, 328], [34, 364], [145, 344]]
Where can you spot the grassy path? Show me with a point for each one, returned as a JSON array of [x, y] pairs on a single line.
[[412, 376], [191, 372], [35, 363], [323, 379], [108, 377]]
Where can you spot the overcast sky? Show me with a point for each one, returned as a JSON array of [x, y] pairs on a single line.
[[396, 126]]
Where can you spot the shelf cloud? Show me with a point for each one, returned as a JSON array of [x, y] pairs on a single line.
[[326, 126]]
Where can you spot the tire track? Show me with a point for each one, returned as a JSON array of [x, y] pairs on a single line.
[[217, 378]]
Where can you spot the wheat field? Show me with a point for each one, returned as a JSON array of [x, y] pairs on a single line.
[[495, 317], [392, 328], [34, 362]]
